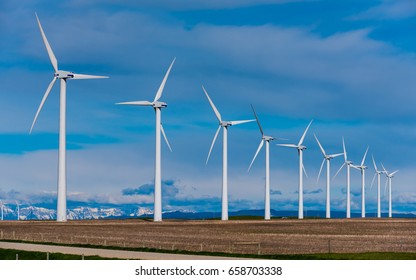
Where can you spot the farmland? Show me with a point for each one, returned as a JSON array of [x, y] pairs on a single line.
[[283, 236]]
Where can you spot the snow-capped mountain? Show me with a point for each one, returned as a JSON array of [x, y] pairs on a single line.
[[141, 211], [130, 211], [36, 213], [76, 213], [88, 213]]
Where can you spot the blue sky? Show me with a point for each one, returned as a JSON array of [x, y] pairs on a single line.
[[349, 65]]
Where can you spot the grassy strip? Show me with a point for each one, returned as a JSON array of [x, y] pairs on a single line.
[[10, 254], [318, 256]]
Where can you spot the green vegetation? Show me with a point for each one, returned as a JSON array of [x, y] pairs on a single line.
[[10, 254]]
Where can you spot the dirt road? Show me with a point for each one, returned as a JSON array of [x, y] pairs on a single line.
[[120, 254]]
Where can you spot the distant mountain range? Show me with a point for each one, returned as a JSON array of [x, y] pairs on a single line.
[[131, 211]]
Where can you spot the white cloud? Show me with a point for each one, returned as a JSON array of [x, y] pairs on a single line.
[[390, 9]]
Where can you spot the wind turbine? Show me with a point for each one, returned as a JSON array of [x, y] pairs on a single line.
[[2, 209], [378, 173], [348, 165], [157, 106], [300, 149], [389, 177], [362, 168], [63, 76], [264, 139], [223, 124], [18, 210], [327, 158]]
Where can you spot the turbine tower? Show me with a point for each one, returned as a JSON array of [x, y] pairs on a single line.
[[2, 210], [327, 158], [362, 168], [18, 210], [389, 177], [378, 173], [63, 76], [348, 165], [224, 125], [157, 106], [300, 149], [264, 139]]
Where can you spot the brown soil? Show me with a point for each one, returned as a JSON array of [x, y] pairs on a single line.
[[258, 237]]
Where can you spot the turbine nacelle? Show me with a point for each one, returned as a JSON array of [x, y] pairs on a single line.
[[60, 74], [225, 124], [63, 74], [158, 104], [268, 138], [359, 167], [300, 147]]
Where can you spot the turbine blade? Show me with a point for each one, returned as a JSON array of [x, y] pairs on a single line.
[[339, 170], [304, 170], [372, 182], [385, 186], [374, 163], [85, 77], [336, 155], [304, 133], [164, 136], [45, 96], [365, 154], [257, 120], [216, 112], [320, 146], [320, 170], [257, 152], [287, 145], [51, 55], [345, 150], [136, 103], [213, 142], [391, 175], [355, 167], [240, 122], [385, 171], [162, 85]]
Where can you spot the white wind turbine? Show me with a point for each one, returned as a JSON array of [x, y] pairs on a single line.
[[18, 210], [157, 106], [2, 209], [327, 158], [362, 168], [63, 76], [223, 124], [378, 173], [389, 177], [348, 165], [300, 149], [264, 139]]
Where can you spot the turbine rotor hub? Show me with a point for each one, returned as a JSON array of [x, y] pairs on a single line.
[[267, 138]]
